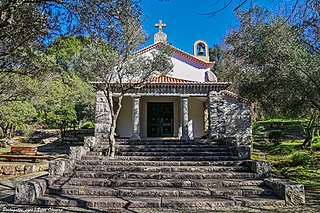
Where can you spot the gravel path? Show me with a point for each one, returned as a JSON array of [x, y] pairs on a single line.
[[7, 193]]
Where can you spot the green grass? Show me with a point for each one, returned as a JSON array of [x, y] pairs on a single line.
[[285, 120], [289, 158]]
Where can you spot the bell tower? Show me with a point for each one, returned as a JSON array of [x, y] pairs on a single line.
[[201, 50]]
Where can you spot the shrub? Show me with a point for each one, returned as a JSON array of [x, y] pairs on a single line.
[[302, 158], [276, 137], [87, 125]]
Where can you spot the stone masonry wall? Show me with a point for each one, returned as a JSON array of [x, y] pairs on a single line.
[[217, 118], [102, 117], [238, 121], [229, 118]]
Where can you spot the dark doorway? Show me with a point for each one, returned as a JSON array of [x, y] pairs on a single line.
[[160, 119]]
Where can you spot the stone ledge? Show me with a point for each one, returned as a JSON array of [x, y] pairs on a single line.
[[239, 150], [291, 192], [76, 153], [27, 192], [20, 169], [90, 142], [60, 166], [263, 168]]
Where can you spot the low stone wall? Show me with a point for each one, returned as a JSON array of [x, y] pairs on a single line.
[[27, 192], [262, 168], [21, 169], [291, 192]]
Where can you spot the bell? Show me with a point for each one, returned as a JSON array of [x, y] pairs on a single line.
[[200, 50]]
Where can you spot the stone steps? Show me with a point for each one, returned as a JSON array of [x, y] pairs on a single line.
[[114, 162], [252, 191], [164, 158], [175, 153], [106, 203], [172, 149], [164, 142], [160, 143], [161, 175], [83, 182], [202, 169], [160, 146], [142, 153]]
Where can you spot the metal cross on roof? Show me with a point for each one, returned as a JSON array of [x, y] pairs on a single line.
[[160, 25]]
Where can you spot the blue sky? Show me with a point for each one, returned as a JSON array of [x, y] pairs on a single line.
[[184, 23]]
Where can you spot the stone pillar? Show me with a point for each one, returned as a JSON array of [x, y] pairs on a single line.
[[184, 118], [217, 118], [136, 118], [102, 118]]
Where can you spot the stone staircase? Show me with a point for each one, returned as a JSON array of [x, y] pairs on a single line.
[[160, 174]]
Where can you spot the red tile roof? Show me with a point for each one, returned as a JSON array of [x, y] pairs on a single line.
[[168, 79]]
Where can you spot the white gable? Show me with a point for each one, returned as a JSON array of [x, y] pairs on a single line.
[[185, 66], [187, 69]]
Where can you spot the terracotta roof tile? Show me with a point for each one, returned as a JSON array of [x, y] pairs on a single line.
[[168, 79]]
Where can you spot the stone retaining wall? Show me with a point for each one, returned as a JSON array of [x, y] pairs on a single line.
[[21, 169]]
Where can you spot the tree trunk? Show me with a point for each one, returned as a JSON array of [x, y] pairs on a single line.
[[310, 137], [311, 130], [10, 130], [112, 139], [74, 129], [6, 130], [61, 132], [80, 124]]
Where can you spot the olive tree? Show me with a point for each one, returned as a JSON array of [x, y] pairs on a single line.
[[116, 65]]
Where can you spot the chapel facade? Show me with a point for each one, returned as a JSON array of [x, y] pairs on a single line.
[[188, 103]]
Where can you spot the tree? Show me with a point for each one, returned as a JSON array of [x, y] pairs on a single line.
[[15, 114], [309, 22], [65, 50], [26, 27], [117, 67], [58, 102], [277, 68]]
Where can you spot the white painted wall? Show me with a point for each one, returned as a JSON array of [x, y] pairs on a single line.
[[184, 68], [196, 117], [187, 69], [124, 123]]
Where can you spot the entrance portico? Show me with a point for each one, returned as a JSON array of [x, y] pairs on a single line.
[[158, 110]]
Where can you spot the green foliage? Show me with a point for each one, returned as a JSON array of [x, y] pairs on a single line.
[[302, 158], [276, 137], [256, 128], [87, 125], [289, 159], [15, 115], [66, 49], [283, 149], [60, 104], [270, 64]]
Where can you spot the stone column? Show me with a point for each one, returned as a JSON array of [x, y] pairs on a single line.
[[136, 118], [184, 118]]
